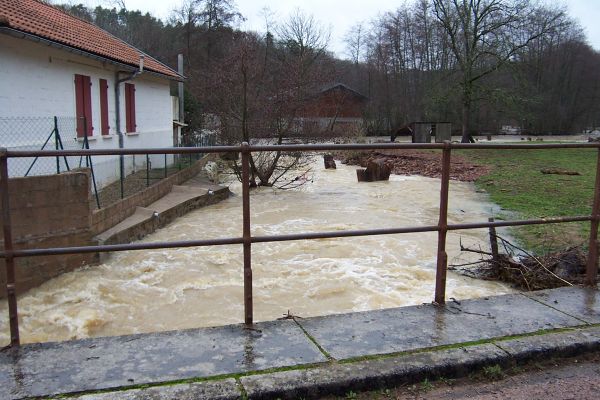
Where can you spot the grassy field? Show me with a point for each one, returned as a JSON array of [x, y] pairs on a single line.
[[516, 183]]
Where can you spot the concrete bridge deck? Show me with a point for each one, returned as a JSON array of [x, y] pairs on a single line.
[[310, 357]]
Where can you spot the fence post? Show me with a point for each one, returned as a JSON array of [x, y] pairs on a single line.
[[494, 242], [8, 248], [592, 261], [88, 161], [442, 256], [121, 177], [147, 170], [56, 144], [248, 313], [166, 172]]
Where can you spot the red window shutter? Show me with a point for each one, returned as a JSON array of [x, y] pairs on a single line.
[[130, 124], [83, 105], [104, 127], [79, 107]]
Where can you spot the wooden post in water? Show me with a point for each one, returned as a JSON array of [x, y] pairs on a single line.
[[442, 256], [248, 312], [493, 241]]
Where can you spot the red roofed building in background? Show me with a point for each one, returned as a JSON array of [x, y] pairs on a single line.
[[335, 110], [55, 64]]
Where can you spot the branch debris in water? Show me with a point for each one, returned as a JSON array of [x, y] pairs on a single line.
[[525, 270]]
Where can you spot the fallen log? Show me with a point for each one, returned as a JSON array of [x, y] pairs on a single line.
[[556, 171]]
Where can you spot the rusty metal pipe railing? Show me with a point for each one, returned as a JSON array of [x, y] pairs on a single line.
[[109, 248], [281, 238], [592, 261], [295, 147], [343, 234], [442, 256], [526, 222], [248, 303], [9, 253], [9, 259]]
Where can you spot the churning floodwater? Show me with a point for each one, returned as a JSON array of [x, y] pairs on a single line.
[[156, 290]]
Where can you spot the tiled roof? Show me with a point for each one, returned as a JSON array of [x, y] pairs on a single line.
[[343, 86], [45, 21]]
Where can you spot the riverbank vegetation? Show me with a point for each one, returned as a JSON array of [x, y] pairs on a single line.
[[520, 183], [525, 184]]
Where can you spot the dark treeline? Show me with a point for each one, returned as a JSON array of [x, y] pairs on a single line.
[[479, 64]]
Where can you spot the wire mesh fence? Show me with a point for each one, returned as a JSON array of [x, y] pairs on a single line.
[[39, 133], [113, 177]]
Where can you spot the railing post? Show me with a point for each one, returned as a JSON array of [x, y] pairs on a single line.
[[592, 261], [8, 248], [147, 170], [248, 312], [442, 256]]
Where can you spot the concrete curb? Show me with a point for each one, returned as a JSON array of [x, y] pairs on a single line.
[[386, 371]]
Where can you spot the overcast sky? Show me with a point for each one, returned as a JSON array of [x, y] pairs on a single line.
[[340, 15]]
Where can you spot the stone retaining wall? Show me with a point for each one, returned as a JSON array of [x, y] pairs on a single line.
[[47, 211]]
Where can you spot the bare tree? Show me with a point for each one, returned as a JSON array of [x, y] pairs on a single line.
[[355, 42], [304, 34], [187, 16], [259, 88], [486, 34]]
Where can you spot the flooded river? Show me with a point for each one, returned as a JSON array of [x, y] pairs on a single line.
[[158, 290]]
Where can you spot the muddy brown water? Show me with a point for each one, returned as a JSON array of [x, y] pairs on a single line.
[[157, 290]]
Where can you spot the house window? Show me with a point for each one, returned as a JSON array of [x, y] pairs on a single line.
[[104, 127], [130, 125], [83, 105]]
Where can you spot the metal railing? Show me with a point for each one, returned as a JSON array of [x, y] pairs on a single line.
[[9, 253]]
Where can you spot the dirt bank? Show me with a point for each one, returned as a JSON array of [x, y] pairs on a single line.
[[415, 162]]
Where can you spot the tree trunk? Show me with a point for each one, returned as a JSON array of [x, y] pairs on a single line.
[[466, 111]]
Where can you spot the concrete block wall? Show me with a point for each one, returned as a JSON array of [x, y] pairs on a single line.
[[47, 211]]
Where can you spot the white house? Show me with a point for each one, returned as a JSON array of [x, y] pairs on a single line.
[[54, 64]]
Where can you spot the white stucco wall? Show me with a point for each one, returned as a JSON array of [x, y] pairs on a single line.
[[37, 83]]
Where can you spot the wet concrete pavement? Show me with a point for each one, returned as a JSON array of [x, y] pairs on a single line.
[[310, 357]]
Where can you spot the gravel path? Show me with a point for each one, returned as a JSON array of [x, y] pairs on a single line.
[[560, 379]]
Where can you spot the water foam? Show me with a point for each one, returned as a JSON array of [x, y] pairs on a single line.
[[156, 290]]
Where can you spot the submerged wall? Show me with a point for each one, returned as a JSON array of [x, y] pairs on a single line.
[[107, 217]]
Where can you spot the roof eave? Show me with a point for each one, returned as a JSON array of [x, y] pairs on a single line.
[[357, 93], [39, 39]]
